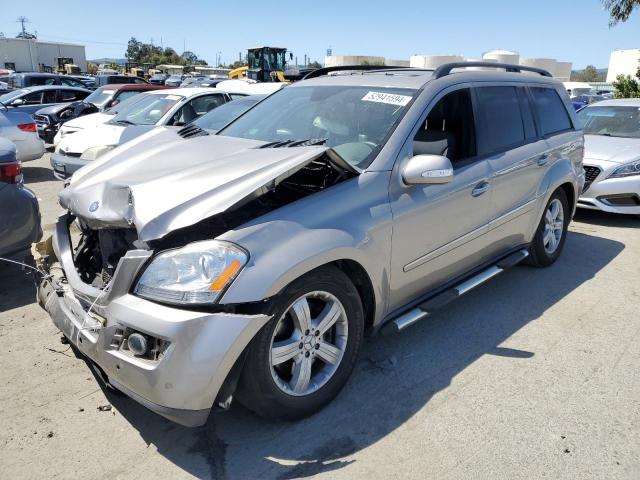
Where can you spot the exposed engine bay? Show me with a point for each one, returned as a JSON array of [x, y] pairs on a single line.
[[317, 175]]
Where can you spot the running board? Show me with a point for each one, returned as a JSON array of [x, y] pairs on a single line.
[[435, 303]]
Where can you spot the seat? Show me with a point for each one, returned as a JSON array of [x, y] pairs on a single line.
[[188, 114], [435, 140]]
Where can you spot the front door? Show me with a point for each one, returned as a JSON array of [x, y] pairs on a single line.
[[439, 231]]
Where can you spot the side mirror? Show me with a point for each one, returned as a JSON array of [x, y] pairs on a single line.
[[17, 102], [427, 169]]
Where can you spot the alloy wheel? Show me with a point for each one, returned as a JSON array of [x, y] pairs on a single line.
[[553, 226], [308, 343]]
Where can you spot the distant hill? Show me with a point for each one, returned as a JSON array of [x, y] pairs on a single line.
[[117, 61]]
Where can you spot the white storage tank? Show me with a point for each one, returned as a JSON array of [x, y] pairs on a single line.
[[502, 56], [341, 60], [548, 64], [563, 71], [432, 62], [480, 60]]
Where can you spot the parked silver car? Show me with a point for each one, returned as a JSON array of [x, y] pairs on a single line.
[[612, 156], [20, 129], [252, 262], [19, 212]]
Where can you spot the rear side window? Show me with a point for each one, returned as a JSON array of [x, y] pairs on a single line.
[[551, 110], [501, 118]]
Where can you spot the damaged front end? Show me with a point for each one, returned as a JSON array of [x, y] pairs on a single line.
[[97, 259]]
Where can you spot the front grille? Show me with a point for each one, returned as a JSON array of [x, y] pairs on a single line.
[[590, 174], [41, 119]]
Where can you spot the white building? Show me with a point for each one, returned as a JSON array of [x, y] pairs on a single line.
[[339, 60], [31, 55], [623, 62]]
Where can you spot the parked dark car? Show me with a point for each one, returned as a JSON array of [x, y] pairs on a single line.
[[87, 81], [207, 82], [31, 99], [49, 119], [102, 80], [32, 79], [158, 79], [20, 224]]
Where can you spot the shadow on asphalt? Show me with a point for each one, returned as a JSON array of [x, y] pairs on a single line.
[[394, 379], [17, 285], [37, 174], [605, 219]]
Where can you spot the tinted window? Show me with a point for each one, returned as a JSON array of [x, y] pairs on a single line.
[[49, 96], [33, 98], [501, 119], [527, 114], [70, 82], [551, 111]]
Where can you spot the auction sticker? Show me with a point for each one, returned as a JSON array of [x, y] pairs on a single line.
[[390, 98]]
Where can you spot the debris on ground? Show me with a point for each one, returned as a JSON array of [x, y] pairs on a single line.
[[64, 340], [81, 409], [105, 408], [50, 434], [385, 364]]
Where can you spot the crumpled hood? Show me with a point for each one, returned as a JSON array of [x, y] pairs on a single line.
[[87, 121], [160, 182], [612, 149]]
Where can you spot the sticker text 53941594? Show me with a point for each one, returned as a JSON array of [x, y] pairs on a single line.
[[390, 98]]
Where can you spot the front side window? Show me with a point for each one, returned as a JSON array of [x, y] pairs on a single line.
[[145, 110], [501, 119], [611, 121], [449, 129], [33, 98], [551, 110], [354, 121], [49, 96]]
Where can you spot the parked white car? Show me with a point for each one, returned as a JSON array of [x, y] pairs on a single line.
[[105, 131], [612, 156], [19, 128]]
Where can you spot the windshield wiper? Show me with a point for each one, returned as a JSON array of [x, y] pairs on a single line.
[[308, 142], [124, 122]]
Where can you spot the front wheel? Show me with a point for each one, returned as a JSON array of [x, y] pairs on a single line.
[[302, 358], [552, 231]]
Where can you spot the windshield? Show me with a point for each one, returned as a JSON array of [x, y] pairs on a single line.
[[354, 121], [145, 109], [225, 114], [7, 97], [100, 97], [611, 121]]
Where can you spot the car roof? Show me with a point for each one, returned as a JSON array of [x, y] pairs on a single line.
[[417, 78], [617, 102], [186, 92], [36, 74], [134, 86], [54, 87]]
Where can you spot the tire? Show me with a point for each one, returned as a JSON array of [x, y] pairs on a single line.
[[278, 391], [545, 250]]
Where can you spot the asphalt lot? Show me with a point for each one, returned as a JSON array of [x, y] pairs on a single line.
[[533, 375]]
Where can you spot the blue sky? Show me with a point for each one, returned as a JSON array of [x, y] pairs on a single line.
[[573, 30]]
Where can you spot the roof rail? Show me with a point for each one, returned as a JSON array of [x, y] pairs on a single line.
[[444, 70], [323, 71]]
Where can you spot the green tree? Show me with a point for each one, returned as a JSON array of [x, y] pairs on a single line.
[[315, 64], [133, 52], [620, 10], [626, 87], [589, 74]]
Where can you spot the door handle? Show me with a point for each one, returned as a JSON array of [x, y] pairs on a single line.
[[543, 159], [479, 189]]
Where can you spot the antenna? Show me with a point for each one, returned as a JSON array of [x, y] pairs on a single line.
[[22, 20]]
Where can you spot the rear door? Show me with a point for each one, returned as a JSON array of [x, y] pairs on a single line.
[[516, 153]]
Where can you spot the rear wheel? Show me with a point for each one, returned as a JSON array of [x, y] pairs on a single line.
[[302, 358], [552, 231]]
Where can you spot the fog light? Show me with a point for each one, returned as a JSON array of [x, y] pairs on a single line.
[[137, 343]]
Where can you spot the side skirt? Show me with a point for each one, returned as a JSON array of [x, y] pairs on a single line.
[[434, 303]]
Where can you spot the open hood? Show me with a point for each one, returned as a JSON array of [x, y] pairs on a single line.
[[161, 182]]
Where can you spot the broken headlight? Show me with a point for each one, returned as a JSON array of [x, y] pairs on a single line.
[[195, 274]]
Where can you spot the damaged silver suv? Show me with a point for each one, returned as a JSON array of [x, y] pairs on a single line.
[[191, 267]]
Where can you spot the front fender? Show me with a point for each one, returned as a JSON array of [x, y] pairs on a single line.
[[347, 222]]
